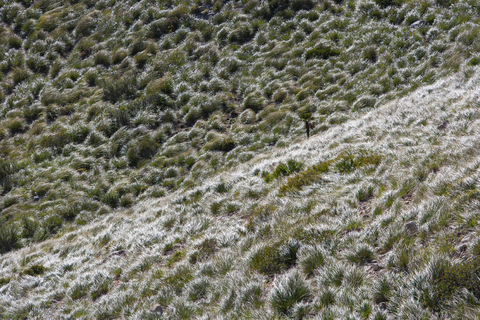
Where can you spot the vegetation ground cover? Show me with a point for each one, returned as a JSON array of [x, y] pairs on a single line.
[[154, 153]]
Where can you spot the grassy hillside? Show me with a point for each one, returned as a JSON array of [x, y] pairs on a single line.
[[154, 153]]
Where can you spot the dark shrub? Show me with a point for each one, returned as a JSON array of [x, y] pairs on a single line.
[[85, 27], [449, 279], [30, 227], [111, 198], [35, 270], [19, 75], [278, 5], [118, 56], [370, 54], [169, 24], [288, 291], [15, 42], [120, 87], [275, 258], [298, 5], [386, 3], [103, 58], [8, 238], [16, 125], [254, 101], [144, 149], [4, 281], [243, 33], [57, 140], [322, 52], [52, 224], [221, 144]]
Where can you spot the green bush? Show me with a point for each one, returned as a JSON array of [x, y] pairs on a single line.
[[52, 224], [144, 149], [254, 101], [283, 169], [361, 254], [30, 227], [85, 26], [19, 75], [278, 5], [8, 238], [35, 270], [100, 287], [321, 51], [288, 291], [15, 42], [225, 144], [449, 279], [118, 56], [169, 24], [16, 125], [206, 248], [349, 163], [243, 33], [79, 290], [180, 276], [4, 281], [275, 258], [49, 21], [127, 200], [370, 54], [310, 259], [111, 198], [57, 140], [386, 3], [103, 58], [120, 87], [298, 5], [382, 290], [305, 178]]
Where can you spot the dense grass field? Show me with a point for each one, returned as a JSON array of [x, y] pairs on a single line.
[[154, 162]]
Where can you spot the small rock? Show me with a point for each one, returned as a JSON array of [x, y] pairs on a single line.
[[114, 253], [444, 125], [376, 266], [383, 306], [411, 227], [36, 198], [157, 309], [117, 253], [462, 248], [417, 24]]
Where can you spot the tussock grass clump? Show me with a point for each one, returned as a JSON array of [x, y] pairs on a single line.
[[274, 258], [343, 164], [287, 291], [4, 281], [111, 198], [283, 169], [101, 285], [79, 290], [35, 270], [322, 51], [305, 178], [447, 279], [8, 238], [310, 258], [349, 163], [382, 290]]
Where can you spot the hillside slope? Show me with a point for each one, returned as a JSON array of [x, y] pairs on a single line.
[[342, 235], [153, 153]]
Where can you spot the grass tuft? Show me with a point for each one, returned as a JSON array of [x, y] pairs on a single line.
[[287, 291]]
